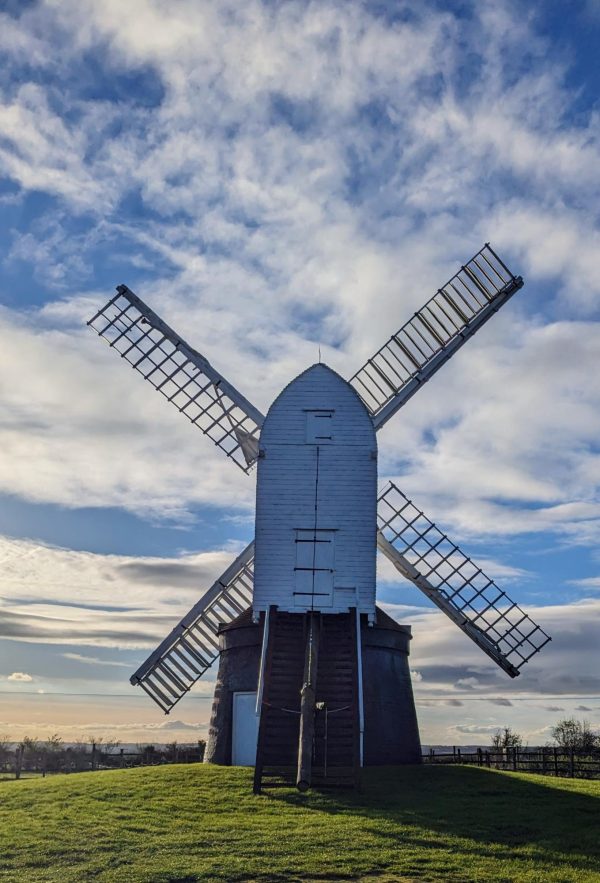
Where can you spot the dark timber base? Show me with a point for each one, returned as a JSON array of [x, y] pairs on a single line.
[[391, 733]]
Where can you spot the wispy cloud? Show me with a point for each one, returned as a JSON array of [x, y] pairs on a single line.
[[92, 660]]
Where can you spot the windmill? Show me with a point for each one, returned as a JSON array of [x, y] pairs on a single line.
[[313, 677]]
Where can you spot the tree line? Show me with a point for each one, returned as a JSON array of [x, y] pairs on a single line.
[[567, 734], [54, 755]]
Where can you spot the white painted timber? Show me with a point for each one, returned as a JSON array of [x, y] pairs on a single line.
[[324, 480]]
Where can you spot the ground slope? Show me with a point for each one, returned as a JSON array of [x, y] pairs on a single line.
[[202, 823]]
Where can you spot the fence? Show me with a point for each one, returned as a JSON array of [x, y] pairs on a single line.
[[22, 761], [548, 760]]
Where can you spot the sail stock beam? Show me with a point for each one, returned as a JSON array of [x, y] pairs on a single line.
[[193, 645], [181, 375], [424, 555], [420, 348]]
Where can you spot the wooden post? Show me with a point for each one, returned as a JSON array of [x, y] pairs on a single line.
[[487, 758], [93, 755], [572, 762], [18, 761], [307, 705], [514, 759], [459, 757], [269, 625], [122, 758], [479, 757], [555, 752], [544, 761]]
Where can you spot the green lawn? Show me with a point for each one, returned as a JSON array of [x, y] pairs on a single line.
[[202, 823]]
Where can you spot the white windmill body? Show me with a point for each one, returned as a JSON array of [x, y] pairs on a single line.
[[302, 647], [316, 500]]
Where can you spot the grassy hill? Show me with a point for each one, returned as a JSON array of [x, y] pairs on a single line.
[[201, 823]]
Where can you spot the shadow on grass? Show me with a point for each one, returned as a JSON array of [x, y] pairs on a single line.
[[495, 811]]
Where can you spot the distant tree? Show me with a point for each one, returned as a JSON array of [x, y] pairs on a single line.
[[54, 749], [109, 746], [506, 738], [54, 744], [149, 753], [570, 733], [31, 752], [5, 749], [171, 750]]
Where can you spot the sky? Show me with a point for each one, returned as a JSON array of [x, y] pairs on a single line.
[[273, 178]]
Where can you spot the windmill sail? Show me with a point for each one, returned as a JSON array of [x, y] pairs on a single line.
[[181, 374], [425, 556], [193, 645], [434, 334]]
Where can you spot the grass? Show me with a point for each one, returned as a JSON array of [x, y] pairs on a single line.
[[202, 823]]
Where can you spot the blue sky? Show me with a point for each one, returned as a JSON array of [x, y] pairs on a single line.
[[271, 178]]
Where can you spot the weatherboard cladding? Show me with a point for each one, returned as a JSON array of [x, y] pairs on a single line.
[[346, 497]]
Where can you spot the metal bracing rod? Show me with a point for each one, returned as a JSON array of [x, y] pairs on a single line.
[[409, 572]]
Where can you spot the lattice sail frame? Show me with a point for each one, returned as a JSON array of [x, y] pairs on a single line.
[[193, 645], [456, 584], [181, 375], [424, 343]]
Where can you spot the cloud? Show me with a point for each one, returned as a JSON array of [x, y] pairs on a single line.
[[583, 708], [92, 660], [591, 582], [147, 727], [42, 152], [20, 676], [468, 683], [449, 662], [475, 729], [99, 600], [432, 703], [332, 149], [503, 702]]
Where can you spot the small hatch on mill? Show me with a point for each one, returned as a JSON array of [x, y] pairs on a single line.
[[313, 680]]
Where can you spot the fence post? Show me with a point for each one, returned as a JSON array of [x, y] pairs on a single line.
[[93, 756], [479, 757], [44, 763], [18, 761], [459, 758], [572, 762], [544, 760], [487, 758], [514, 758], [555, 753], [122, 759]]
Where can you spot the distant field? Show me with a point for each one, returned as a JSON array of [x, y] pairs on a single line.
[[201, 823]]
